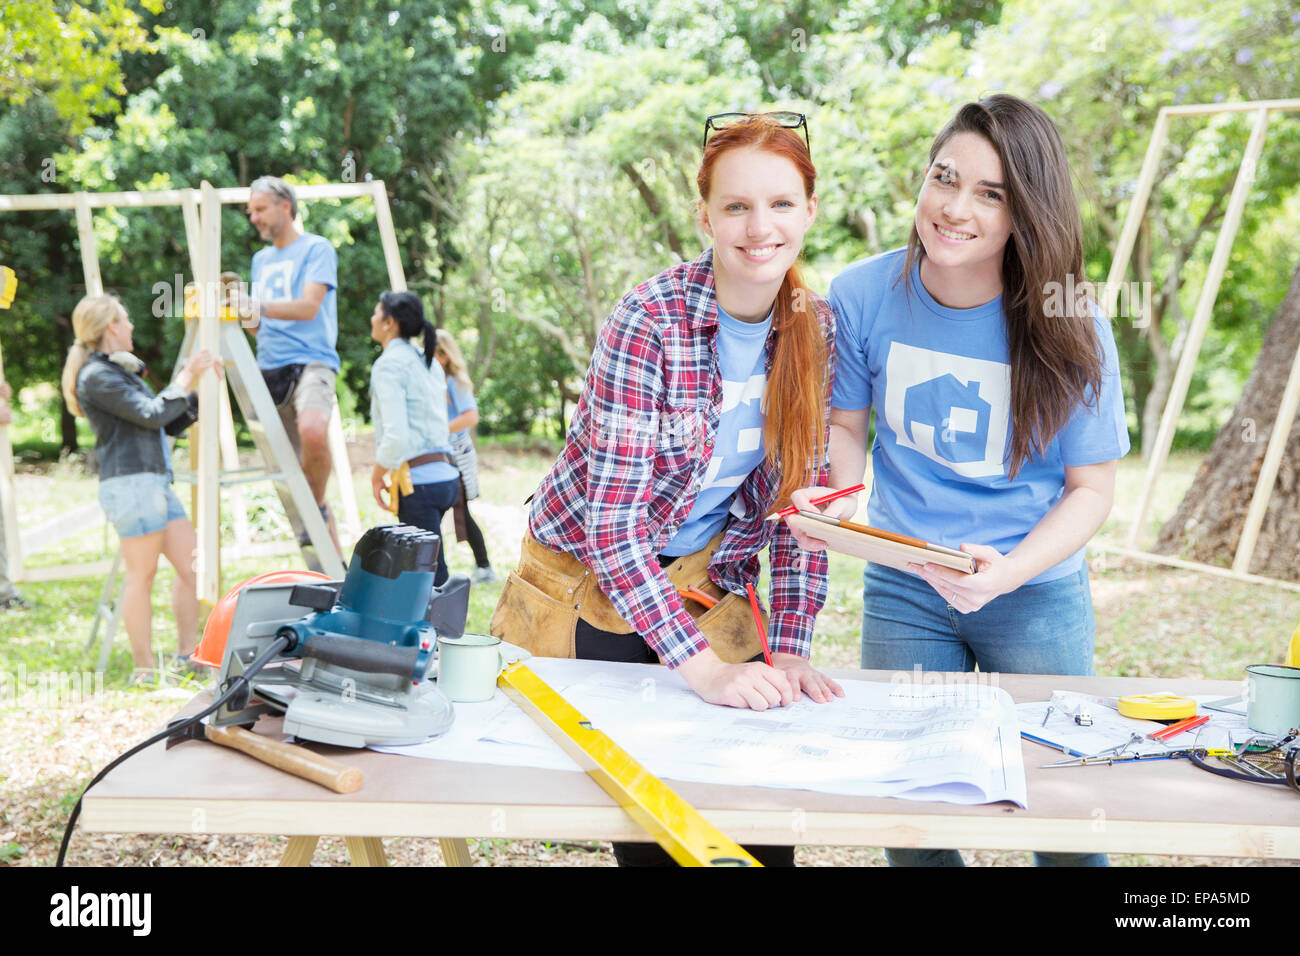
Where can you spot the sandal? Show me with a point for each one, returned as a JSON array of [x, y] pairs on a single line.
[[184, 665]]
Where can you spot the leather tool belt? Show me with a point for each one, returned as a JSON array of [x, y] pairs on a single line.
[[545, 596]]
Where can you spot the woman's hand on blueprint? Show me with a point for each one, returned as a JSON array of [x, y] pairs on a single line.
[[805, 680]]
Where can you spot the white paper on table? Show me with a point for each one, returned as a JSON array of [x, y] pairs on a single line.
[[957, 743]]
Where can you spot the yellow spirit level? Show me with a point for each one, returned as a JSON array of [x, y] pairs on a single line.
[[675, 825]]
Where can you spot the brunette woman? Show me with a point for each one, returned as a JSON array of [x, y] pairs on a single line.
[[999, 414], [408, 407]]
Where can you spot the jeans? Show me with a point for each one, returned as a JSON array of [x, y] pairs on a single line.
[[1037, 629], [424, 508]]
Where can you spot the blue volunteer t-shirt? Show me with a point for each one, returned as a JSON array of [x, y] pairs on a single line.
[[738, 447], [459, 401], [280, 275], [939, 380]]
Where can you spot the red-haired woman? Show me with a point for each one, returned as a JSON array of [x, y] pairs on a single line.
[[999, 414], [676, 455]]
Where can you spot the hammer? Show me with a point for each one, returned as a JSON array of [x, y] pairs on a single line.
[[290, 758]]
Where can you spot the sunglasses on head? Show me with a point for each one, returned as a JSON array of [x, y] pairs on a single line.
[[785, 118]]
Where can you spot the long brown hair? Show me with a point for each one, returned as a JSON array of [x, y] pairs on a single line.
[[1056, 357], [794, 427]]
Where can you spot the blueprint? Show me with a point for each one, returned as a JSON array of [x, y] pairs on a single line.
[[957, 743]]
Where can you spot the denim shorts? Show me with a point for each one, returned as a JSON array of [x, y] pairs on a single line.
[[143, 503]]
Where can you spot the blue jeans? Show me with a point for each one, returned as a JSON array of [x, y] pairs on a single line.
[[424, 508], [1037, 629]]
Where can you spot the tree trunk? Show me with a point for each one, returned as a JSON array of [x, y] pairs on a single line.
[[67, 429], [656, 209], [1208, 523]]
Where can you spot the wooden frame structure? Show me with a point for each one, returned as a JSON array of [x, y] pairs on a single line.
[[1261, 110], [201, 209]]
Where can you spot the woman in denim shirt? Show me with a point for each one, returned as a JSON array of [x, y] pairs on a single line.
[[408, 407], [101, 380]]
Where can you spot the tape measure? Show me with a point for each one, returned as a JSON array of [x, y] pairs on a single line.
[[1157, 706]]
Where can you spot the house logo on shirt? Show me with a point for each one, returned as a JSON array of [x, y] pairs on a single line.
[[953, 409], [275, 284], [742, 404]]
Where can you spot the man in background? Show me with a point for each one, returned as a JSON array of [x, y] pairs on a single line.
[[294, 309]]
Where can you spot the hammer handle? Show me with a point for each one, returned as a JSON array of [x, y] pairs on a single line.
[[290, 758]]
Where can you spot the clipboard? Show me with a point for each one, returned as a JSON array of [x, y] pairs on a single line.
[[882, 547]]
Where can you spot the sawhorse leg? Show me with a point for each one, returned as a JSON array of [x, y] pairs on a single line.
[[369, 851], [300, 851], [366, 851], [455, 852]]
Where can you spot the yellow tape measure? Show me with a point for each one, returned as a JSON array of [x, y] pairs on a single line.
[[1157, 706]]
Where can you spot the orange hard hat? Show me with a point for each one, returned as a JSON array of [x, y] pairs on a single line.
[[212, 648]]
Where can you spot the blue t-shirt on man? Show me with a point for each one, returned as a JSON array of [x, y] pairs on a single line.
[[281, 275], [738, 447], [939, 380]]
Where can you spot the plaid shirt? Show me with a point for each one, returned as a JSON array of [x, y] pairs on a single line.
[[635, 459]]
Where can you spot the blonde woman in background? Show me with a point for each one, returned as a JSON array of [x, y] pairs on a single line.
[[101, 381], [462, 412]]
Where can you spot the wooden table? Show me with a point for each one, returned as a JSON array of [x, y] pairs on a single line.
[[1162, 807]]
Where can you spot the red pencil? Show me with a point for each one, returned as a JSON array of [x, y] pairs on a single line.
[[824, 499], [1173, 730], [758, 622]]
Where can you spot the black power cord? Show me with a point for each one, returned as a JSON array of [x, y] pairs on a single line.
[[235, 686], [1287, 755]]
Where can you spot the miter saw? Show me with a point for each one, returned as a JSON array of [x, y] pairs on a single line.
[[351, 671]]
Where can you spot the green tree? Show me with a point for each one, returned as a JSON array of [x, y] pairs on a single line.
[[69, 53], [1102, 70], [584, 190]]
